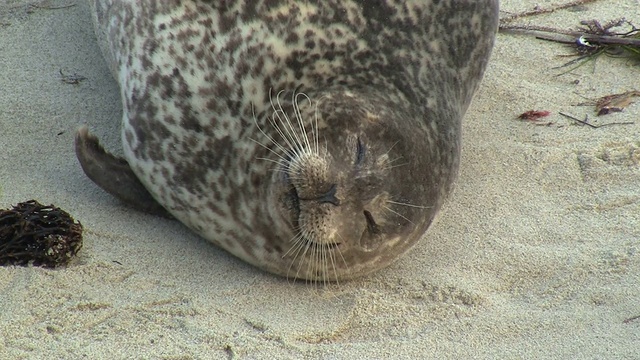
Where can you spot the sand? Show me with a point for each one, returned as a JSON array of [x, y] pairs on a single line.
[[536, 255]]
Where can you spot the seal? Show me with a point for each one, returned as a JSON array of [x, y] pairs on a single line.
[[313, 139]]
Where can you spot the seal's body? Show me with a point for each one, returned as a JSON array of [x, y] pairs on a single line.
[[314, 139]]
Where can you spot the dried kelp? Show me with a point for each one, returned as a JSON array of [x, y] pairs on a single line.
[[34, 234]]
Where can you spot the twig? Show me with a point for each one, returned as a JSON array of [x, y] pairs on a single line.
[[38, 6], [538, 11], [569, 37], [74, 79], [626, 321], [583, 122], [586, 121]]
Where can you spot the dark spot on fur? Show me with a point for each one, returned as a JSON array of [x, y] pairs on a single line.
[[292, 38], [310, 44]]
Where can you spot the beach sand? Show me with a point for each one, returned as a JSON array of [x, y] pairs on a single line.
[[536, 255]]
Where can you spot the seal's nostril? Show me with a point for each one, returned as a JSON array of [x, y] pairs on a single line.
[[330, 196], [371, 224]]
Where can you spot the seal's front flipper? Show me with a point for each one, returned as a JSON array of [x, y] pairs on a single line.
[[113, 174]]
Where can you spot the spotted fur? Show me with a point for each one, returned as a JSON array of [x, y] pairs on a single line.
[[388, 83]]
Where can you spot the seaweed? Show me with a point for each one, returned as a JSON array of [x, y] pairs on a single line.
[[34, 234]]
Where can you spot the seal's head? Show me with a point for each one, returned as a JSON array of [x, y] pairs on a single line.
[[355, 186]]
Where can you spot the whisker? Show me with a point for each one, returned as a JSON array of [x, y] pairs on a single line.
[[275, 124], [409, 205], [394, 160], [255, 120], [297, 241], [279, 162], [267, 148], [298, 115], [299, 244], [392, 146], [306, 247], [344, 261], [277, 111], [395, 166], [315, 129], [292, 133], [397, 213]]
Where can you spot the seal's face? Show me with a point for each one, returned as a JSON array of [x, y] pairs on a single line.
[[343, 185]]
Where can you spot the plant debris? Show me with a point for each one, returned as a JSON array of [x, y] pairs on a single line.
[[617, 37], [41, 5], [591, 41], [34, 234], [629, 320], [587, 123], [73, 79], [534, 115], [615, 102]]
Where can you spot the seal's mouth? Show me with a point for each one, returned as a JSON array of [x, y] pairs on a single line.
[[294, 202]]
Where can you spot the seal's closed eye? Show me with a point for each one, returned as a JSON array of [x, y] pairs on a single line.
[[360, 151]]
